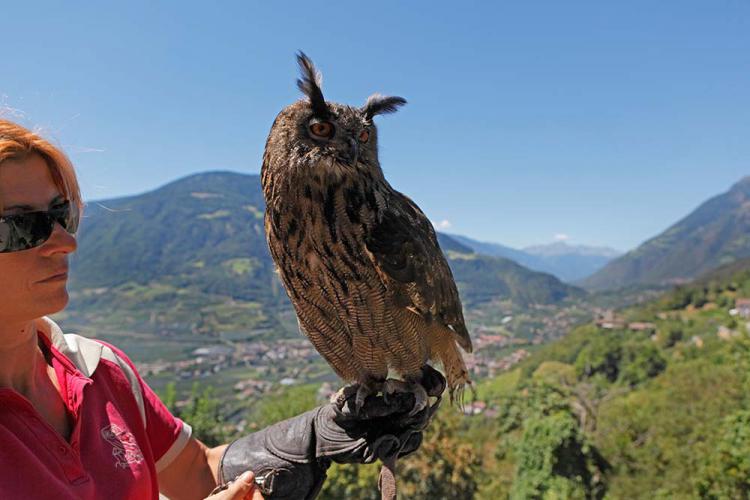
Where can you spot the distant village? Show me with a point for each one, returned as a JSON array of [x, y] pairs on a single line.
[[294, 358], [291, 361], [609, 320]]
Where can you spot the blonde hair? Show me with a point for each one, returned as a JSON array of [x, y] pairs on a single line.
[[18, 143]]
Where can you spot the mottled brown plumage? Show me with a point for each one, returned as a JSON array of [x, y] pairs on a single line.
[[359, 260]]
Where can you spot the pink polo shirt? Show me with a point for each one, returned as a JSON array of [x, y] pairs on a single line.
[[111, 454]]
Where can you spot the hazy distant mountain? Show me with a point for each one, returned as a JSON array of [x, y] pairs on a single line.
[[715, 234], [567, 262], [192, 256], [559, 248], [482, 277]]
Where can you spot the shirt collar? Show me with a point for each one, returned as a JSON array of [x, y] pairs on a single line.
[[82, 352]]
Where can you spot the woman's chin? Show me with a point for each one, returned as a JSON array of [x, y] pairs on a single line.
[[56, 302]]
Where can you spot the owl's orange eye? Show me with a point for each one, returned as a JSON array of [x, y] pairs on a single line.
[[322, 130], [364, 135]]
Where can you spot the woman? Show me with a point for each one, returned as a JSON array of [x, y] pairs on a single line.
[[76, 420]]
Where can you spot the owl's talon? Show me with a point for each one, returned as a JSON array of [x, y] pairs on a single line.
[[421, 399], [339, 397], [363, 391]]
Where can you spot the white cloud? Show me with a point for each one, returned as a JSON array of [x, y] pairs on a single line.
[[442, 225], [82, 149], [561, 237]]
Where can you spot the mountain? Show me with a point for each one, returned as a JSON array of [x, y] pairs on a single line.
[[567, 262], [191, 257], [482, 278], [497, 250], [560, 248], [190, 228], [714, 234]]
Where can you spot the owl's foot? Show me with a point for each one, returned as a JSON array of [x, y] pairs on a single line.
[[360, 391], [339, 397], [421, 398]]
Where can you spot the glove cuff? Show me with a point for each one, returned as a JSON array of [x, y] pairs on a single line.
[[281, 456]]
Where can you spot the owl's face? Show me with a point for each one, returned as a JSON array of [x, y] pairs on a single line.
[[343, 134], [319, 133]]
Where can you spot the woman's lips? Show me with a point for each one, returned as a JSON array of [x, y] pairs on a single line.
[[61, 276]]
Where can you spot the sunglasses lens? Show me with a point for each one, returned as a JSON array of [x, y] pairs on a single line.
[[67, 216], [29, 230], [24, 231], [73, 219]]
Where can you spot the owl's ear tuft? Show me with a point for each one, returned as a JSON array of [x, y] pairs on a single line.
[[379, 104], [310, 83]]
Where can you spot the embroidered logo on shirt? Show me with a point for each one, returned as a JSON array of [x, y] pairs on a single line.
[[124, 448]]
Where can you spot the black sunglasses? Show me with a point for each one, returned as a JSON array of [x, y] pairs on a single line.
[[28, 230]]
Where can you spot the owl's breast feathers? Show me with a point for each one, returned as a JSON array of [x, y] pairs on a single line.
[[356, 229], [366, 276]]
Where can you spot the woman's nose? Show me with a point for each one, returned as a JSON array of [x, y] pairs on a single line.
[[60, 241]]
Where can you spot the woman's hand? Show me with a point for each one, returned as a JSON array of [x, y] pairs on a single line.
[[244, 488]]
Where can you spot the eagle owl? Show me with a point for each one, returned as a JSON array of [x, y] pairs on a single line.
[[359, 260]]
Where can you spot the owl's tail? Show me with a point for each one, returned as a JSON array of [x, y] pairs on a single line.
[[454, 367]]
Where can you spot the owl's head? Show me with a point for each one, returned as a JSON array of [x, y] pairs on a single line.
[[319, 130]]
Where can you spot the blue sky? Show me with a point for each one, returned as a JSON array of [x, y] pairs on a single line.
[[602, 121]]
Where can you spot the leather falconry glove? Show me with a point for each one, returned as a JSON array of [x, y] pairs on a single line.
[[290, 458]]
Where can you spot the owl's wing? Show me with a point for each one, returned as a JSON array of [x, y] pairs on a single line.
[[406, 254]]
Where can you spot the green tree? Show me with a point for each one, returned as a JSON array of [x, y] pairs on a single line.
[[445, 466], [601, 357], [555, 460], [657, 435], [347, 481], [726, 473], [203, 413], [640, 361], [556, 373], [287, 403], [170, 397], [672, 334], [700, 297], [532, 398]]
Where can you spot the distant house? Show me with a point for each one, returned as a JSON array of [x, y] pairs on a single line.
[[213, 351], [475, 408], [725, 333], [609, 320], [743, 307], [641, 327], [484, 340]]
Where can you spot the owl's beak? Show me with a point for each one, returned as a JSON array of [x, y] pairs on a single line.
[[353, 151]]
